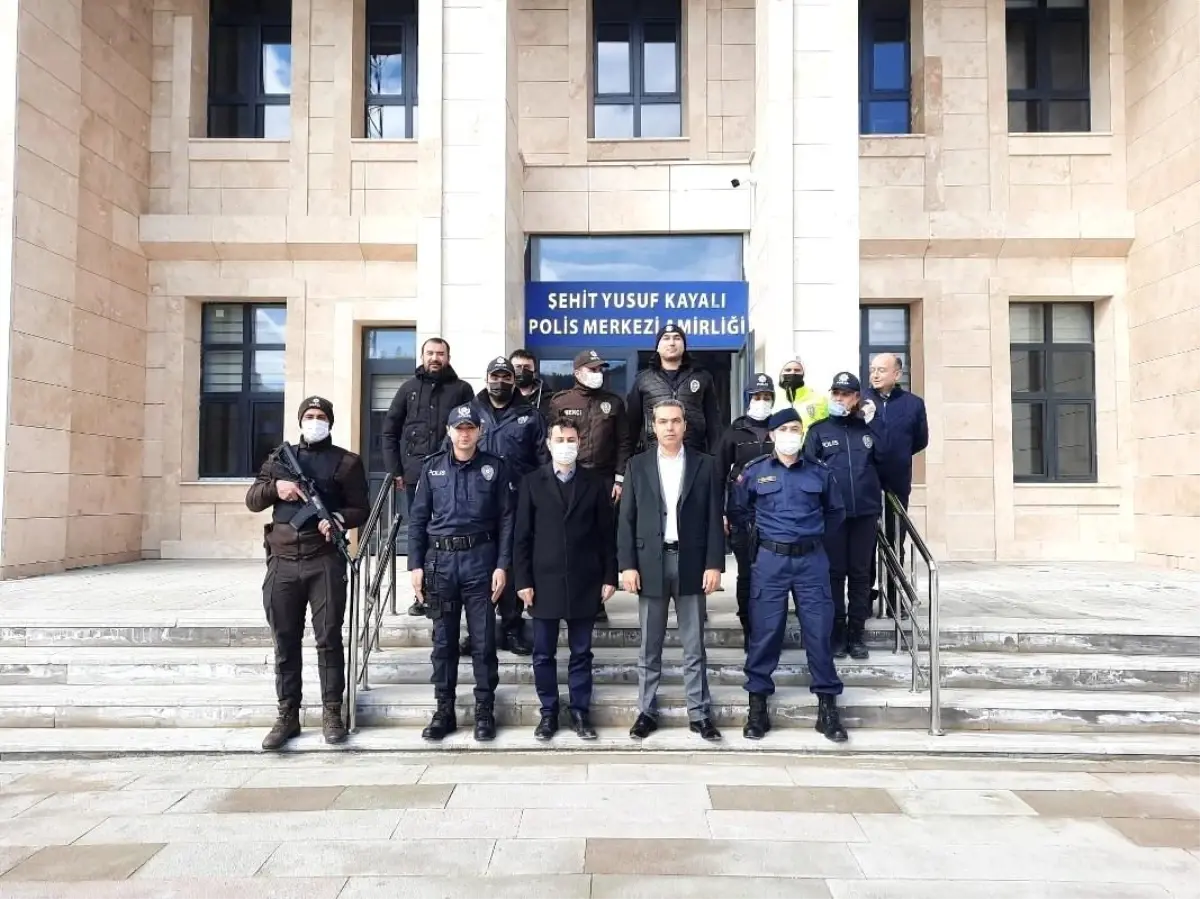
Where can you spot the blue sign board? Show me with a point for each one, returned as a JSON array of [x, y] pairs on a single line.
[[713, 314]]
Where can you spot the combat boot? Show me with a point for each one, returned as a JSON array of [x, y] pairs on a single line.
[[485, 722], [286, 726], [758, 721], [829, 722], [442, 723], [332, 724]]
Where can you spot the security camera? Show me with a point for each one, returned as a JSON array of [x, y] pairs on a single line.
[[738, 182], [735, 182]]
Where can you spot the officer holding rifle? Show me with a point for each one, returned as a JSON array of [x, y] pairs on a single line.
[[317, 493]]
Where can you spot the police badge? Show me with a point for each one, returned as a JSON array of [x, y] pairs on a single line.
[[488, 472], [606, 407], [695, 385], [868, 441], [522, 419]]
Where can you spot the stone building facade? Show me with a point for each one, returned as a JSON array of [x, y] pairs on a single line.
[[218, 210]]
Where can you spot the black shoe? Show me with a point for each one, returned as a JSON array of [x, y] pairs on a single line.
[[332, 725], [546, 728], [485, 722], [464, 647], [417, 609], [582, 726], [758, 720], [857, 649], [829, 722], [515, 643], [837, 643], [602, 615], [443, 723], [706, 729], [643, 727], [286, 726]]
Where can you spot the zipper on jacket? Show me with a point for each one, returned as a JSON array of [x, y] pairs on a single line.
[[850, 466]]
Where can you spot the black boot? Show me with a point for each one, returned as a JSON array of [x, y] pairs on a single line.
[[442, 723], [829, 722], [546, 728], [837, 642], [286, 726], [485, 722], [515, 642], [332, 724], [855, 646], [758, 721]]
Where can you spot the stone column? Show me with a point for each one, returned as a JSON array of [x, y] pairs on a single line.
[[8, 146], [826, 188]]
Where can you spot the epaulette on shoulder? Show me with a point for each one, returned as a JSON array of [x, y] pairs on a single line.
[[745, 468]]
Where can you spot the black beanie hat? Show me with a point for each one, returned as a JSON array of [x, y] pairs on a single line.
[[316, 402], [670, 329]]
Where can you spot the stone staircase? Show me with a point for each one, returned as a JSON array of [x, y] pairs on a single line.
[[218, 674]]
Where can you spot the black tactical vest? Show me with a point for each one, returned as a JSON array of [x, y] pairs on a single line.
[[689, 390]]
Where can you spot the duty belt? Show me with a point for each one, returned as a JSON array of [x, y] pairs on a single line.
[[459, 544], [803, 548]]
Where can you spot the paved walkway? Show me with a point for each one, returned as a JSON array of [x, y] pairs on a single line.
[[1111, 597], [355, 827]]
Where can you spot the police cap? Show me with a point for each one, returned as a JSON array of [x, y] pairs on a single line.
[[845, 380], [501, 364], [463, 415], [782, 417], [761, 383], [589, 359]]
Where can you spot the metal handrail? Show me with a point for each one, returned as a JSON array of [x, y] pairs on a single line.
[[891, 556], [373, 558]]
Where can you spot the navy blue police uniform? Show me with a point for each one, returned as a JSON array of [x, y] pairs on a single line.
[[788, 510], [460, 531], [855, 452]]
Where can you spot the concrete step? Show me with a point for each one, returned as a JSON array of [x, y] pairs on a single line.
[[118, 629], [222, 704], [880, 745], [87, 666]]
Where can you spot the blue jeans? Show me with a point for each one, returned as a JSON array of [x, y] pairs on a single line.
[[579, 668]]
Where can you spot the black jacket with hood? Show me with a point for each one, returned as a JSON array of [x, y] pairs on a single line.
[[416, 420]]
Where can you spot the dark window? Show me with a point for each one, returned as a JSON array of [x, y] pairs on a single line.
[[883, 61], [637, 72], [389, 358], [391, 69], [883, 329], [250, 69], [1048, 75], [658, 257], [241, 387], [1053, 363]]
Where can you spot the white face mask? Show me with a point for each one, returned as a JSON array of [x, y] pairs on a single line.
[[592, 380], [759, 409], [314, 430], [788, 442], [564, 453]]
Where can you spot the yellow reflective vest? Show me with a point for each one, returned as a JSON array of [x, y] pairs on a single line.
[[811, 405]]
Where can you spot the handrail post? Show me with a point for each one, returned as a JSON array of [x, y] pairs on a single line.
[[393, 502], [352, 655], [935, 661]]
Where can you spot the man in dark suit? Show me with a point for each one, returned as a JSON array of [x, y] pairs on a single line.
[[671, 546], [565, 564]]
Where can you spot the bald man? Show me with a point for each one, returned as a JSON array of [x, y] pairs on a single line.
[[903, 414]]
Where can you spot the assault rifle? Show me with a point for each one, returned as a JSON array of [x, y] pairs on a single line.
[[315, 505]]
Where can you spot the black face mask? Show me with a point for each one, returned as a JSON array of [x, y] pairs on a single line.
[[524, 378], [500, 390], [792, 381]]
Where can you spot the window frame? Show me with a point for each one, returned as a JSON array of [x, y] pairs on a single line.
[[245, 400], [870, 14], [1039, 18], [866, 349], [250, 20], [1050, 401], [388, 14], [636, 15]]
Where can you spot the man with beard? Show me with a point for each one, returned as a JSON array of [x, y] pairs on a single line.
[[415, 424], [671, 375], [811, 405], [529, 385]]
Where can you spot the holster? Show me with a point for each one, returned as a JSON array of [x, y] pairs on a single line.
[[433, 595]]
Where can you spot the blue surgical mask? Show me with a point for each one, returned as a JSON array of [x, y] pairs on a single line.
[[838, 409]]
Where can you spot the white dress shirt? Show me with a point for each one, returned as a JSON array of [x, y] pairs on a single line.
[[670, 474]]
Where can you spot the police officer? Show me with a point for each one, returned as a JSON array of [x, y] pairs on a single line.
[[788, 503], [854, 450], [747, 438], [516, 432], [605, 441], [305, 568], [811, 405], [672, 375], [460, 533]]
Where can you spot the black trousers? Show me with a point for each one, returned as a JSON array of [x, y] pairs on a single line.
[[740, 542], [290, 586], [579, 667], [464, 583], [850, 549]]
